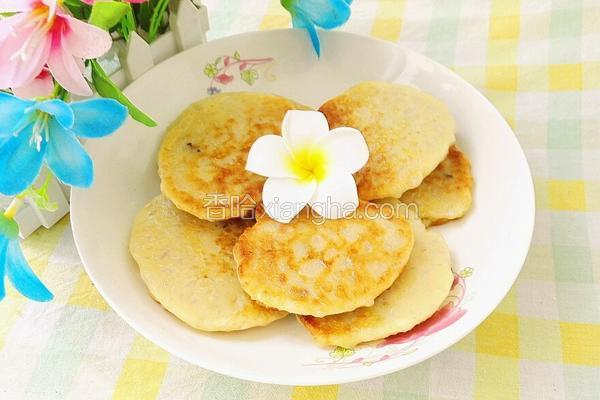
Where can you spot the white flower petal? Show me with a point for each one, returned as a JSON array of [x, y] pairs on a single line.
[[303, 128], [284, 198], [336, 196], [345, 148], [269, 156]]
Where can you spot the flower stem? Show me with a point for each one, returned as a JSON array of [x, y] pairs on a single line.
[[14, 207], [157, 18], [128, 24], [60, 93]]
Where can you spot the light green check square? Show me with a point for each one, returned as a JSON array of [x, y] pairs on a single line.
[[572, 263], [564, 134], [581, 382], [443, 29], [577, 302], [565, 23], [221, 387], [411, 383], [596, 264], [443, 51], [569, 229], [442, 40]]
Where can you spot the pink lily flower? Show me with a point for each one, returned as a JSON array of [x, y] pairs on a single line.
[[41, 86], [43, 33]]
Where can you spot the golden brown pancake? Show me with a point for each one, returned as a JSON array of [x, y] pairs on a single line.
[[446, 193], [187, 265], [320, 267], [202, 158], [419, 291], [408, 133]]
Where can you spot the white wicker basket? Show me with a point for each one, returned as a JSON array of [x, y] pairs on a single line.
[[188, 25]]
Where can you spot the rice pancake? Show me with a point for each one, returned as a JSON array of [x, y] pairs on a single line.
[[187, 265], [417, 294], [408, 133], [446, 193], [202, 157], [315, 266]]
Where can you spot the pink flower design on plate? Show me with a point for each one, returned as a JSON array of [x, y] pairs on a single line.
[[221, 71], [224, 79], [448, 314]]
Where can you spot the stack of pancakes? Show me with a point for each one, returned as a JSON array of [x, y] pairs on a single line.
[[349, 280]]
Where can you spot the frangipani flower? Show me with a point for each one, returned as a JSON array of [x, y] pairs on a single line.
[[14, 265], [309, 164], [32, 132], [42, 33], [310, 14]]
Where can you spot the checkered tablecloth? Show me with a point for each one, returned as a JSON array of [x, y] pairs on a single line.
[[538, 61]]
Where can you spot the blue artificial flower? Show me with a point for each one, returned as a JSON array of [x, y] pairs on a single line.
[[35, 131], [310, 14], [14, 265]]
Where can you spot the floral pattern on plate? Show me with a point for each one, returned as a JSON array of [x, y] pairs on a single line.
[[221, 71], [402, 344]]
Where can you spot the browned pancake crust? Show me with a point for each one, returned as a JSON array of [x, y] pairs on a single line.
[[446, 193], [408, 133], [202, 158], [322, 269], [188, 266]]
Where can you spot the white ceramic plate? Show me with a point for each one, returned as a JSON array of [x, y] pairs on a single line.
[[488, 246]]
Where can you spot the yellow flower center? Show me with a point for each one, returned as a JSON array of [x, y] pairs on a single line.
[[42, 15], [308, 163]]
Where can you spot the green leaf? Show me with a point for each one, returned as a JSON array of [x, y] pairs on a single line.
[[40, 196], [249, 76], [78, 9], [143, 15], [106, 88], [237, 56], [8, 227], [106, 14], [210, 70], [128, 24], [157, 18]]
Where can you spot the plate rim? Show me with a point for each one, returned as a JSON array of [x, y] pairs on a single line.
[[384, 369]]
